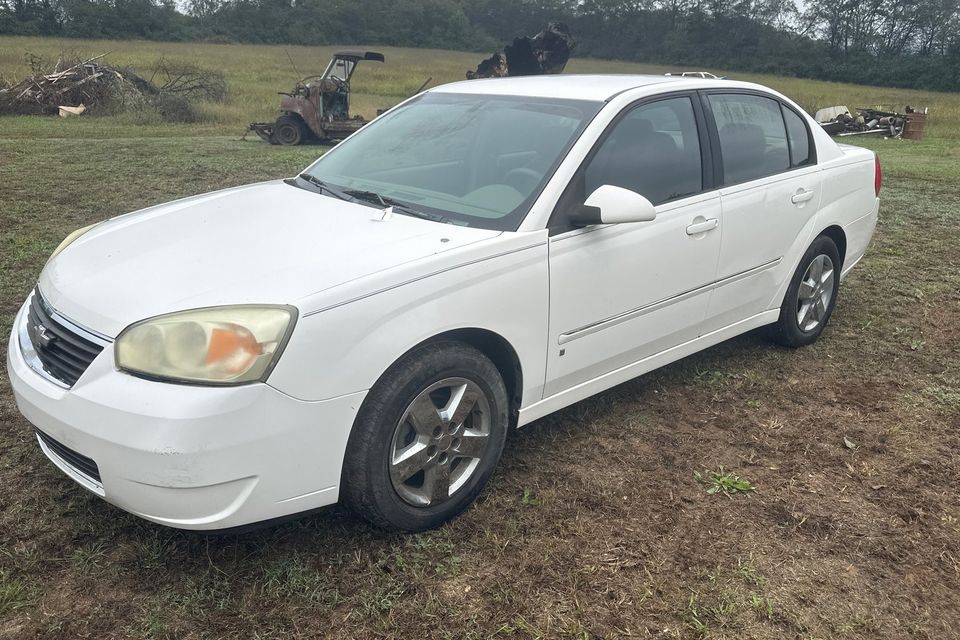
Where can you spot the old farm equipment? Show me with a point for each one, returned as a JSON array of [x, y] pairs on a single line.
[[318, 106], [544, 53]]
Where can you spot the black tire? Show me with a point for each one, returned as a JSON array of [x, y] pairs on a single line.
[[788, 331], [289, 130], [367, 486]]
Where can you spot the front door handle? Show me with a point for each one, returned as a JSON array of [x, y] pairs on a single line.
[[801, 196], [703, 226]]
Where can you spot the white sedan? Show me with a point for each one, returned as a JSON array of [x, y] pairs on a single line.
[[480, 256]]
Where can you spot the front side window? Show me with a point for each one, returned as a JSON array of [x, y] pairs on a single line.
[[477, 160], [653, 150], [753, 140]]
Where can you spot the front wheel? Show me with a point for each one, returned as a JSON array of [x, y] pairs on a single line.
[[427, 438], [289, 130], [811, 296]]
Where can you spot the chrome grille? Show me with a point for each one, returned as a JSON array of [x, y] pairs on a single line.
[[63, 353]]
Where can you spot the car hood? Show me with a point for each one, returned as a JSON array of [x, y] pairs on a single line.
[[270, 243]]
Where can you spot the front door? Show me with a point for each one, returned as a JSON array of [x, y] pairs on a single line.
[[620, 293]]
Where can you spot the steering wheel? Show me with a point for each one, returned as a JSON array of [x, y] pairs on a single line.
[[523, 179], [340, 82]]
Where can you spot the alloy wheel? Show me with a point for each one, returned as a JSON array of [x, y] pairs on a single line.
[[815, 293], [439, 441]]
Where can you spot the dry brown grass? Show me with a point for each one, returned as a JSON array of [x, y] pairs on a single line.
[[256, 73]]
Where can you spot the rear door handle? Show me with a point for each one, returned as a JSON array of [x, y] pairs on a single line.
[[702, 227], [801, 196]]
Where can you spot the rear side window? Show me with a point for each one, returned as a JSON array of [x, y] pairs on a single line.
[[653, 150], [753, 139], [799, 138]]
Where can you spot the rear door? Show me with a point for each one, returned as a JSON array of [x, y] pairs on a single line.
[[770, 191]]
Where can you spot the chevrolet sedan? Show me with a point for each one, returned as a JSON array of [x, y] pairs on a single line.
[[478, 257]]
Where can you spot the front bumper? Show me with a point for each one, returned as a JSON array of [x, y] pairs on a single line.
[[190, 457]]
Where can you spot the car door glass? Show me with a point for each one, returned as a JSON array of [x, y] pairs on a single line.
[[753, 140], [654, 150], [799, 138]]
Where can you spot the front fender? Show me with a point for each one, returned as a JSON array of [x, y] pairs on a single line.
[[302, 107], [342, 347]]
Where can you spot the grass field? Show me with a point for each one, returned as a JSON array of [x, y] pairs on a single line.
[[595, 525], [256, 73]]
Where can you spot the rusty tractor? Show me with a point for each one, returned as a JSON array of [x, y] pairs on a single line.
[[318, 107]]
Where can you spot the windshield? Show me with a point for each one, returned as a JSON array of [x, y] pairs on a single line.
[[340, 68], [476, 160]]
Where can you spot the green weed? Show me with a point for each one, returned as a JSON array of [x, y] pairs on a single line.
[[15, 595], [725, 482]]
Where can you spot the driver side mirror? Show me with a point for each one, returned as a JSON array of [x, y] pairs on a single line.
[[613, 205]]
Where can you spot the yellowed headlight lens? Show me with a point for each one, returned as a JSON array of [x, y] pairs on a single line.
[[217, 345]]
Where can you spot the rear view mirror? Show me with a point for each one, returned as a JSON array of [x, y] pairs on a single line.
[[613, 205]]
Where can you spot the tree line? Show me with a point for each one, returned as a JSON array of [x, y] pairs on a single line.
[[905, 43]]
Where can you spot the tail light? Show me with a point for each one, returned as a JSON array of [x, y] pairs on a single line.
[[878, 175]]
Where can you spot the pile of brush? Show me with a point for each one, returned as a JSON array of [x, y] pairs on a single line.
[[74, 85]]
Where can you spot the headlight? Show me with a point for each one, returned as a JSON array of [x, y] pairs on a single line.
[[69, 239], [216, 345]]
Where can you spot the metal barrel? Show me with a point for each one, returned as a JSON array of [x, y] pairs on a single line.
[[916, 122]]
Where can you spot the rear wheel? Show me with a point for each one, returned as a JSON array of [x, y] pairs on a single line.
[[811, 296], [289, 130], [427, 438]]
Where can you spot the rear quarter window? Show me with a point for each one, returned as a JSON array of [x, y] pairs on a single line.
[[799, 137]]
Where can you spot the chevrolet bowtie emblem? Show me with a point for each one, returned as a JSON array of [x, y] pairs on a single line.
[[41, 337]]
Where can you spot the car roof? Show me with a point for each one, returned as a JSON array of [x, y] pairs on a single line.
[[571, 86], [599, 87]]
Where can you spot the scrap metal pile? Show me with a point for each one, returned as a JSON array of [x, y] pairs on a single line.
[[72, 85], [838, 121], [545, 53]]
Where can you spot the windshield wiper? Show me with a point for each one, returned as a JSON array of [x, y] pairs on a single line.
[[376, 199], [362, 196], [336, 193], [368, 196]]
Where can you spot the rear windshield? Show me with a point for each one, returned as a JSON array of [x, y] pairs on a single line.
[[476, 160]]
